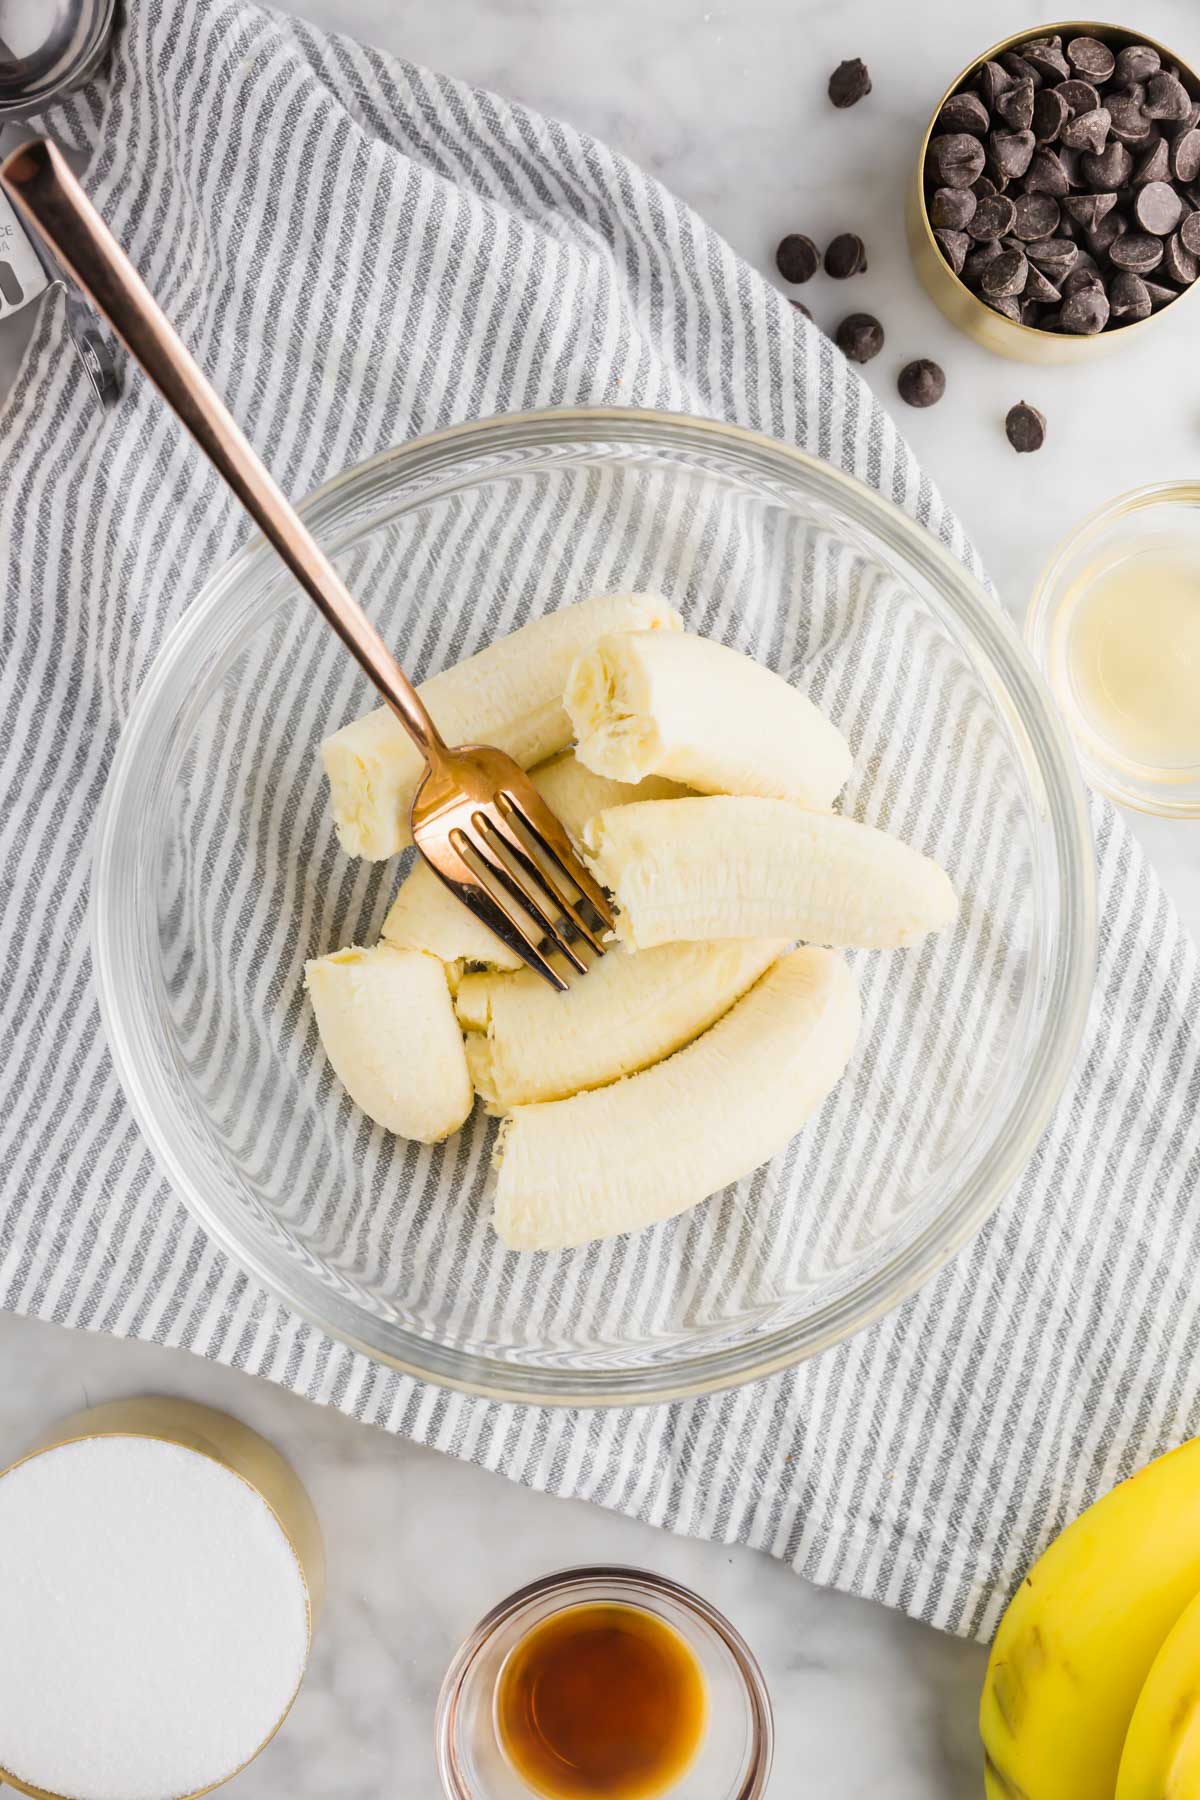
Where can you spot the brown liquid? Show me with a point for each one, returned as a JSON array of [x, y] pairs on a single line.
[[601, 1702]]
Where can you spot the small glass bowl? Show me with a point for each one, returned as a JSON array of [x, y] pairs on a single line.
[[1165, 515], [734, 1758]]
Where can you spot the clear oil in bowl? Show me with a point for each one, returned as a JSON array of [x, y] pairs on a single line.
[[601, 1701]]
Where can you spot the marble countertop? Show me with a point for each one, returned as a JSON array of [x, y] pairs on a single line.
[[724, 101]]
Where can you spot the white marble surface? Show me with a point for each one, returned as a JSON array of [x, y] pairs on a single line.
[[725, 102]]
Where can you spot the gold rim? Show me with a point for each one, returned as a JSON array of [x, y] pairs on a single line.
[[950, 293], [220, 1439]]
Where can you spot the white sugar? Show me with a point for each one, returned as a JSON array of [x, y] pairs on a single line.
[[153, 1622]]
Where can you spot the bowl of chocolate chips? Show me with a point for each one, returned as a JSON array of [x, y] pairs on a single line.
[[1057, 201]]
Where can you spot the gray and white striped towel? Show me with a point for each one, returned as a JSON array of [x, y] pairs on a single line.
[[310, 212]]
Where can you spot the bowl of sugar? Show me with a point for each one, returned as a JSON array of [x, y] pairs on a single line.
[[160, 1569]]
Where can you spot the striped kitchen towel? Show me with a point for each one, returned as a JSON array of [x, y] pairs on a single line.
[[360, 251]]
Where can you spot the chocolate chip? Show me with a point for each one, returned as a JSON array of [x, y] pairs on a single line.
[[1137, 62], [1070, 160], [1011, 153], [1083, 275], [1158, 208], [801, 308], [993, 218], [993, 81], [1088, 209], [1015, 106], [1038, 288], [1189, 233], [978, 260], [1047, 175], [1126, 120], [1056, 255], [859, 337], [1025, 427], [956, 159], [1100, 240], [984, 186], [1159, 295], [1108, 171], [1086, 312], [954, 247], [1179, 264], [1020, 70], [1091, 58], [1088, 131], [1185, 156], [1155, 164], [846, 256], [1050, 114], [1127, 297], [1166, 98], [1177, 127], [1036, 216], [921, 383], [1005, 274], [965, 112], [952, 208], [797, 257], [1045, 55], [1078, 97], [1136, 250], [1005, 303], [849, 83]]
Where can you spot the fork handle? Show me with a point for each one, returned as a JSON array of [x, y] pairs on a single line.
[[41, 183]]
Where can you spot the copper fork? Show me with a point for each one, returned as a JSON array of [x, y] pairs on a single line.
[[476, 817]]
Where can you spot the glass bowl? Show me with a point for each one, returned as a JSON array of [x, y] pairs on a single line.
[[733, 1761], [1148, 525], [217, 873]]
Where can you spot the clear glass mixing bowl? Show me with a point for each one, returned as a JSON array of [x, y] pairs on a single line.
[[217, 874]]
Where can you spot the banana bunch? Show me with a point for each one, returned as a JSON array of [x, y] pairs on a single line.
[[700, 786], [1093, 1685]]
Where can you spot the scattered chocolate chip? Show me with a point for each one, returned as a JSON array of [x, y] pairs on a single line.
[[1185, 156], [993, 218], [952, 209], [1158, 208], [1045, 55], [1047, 175], [1088, 209], [1108, 171], [1015, 106], [1050, 114], [1005, 274], [1056, 255], [1166, 98], [1078, 97], [1086, 312], [797, 257], [846, 256], [954, 247], [859, 337], [1025, 428], [993, 81], [921, 383], [956, 159], [1126, 120], [1127, 297], [801, 308], [1189, 233], [1179, 264], [849, 83], [965, 112], [1136, 250], [1036, 216], [1137, 62], [1090, 57], [1155, 164], [1088, 131]]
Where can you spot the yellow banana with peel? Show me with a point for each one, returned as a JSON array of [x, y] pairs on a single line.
[[1161, 1758]]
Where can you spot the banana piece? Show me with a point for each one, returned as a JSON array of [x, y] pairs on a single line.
[[663, 703], [623, 1157], [508, 695], [387, 1025], [717, 867], [426, 916], [630, 1011], [1162, 1746], [1080, 1635]]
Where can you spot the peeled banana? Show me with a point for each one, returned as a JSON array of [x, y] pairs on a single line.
[[387, 1025], [623, 1157], [508, 695], [717, 867], [663, 703], [1081, 1635], [426, 916], [528, 1043], [1161, 1757]]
